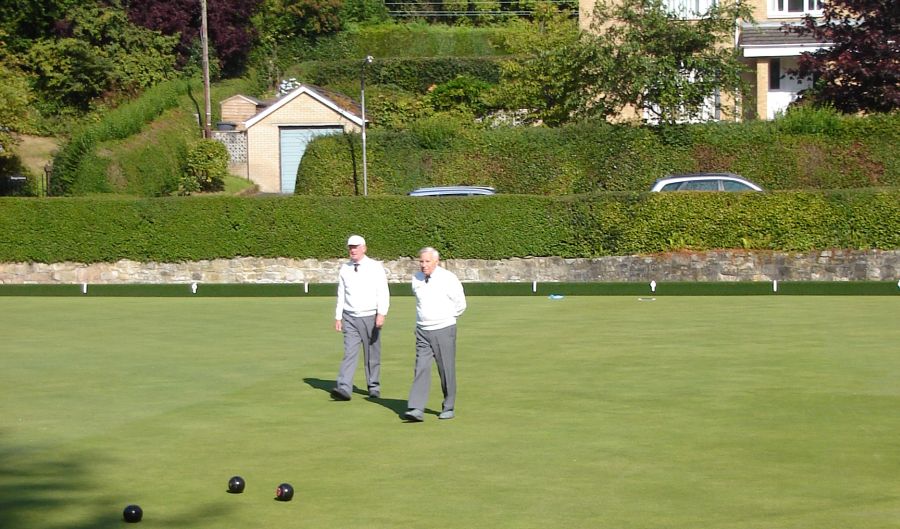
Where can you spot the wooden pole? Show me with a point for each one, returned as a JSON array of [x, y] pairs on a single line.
[[207, 129]]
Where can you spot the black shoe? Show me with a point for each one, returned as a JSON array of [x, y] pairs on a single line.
[[337, 394]]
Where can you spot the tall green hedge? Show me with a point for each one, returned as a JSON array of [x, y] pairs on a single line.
[[405, 40], [415, 74], [188, 229], [596, 156]]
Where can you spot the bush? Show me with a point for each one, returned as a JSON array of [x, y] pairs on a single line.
[[463, 93], [206, 167]]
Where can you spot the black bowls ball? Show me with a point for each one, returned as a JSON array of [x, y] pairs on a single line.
[[236, 485], [284, 492], [133, 513]]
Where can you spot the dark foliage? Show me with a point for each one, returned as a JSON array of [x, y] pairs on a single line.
[[230, 29], [861, 70], [28, 20]]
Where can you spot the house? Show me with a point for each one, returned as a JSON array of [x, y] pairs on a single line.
[[767, 50], [268, 138], [771, 53]]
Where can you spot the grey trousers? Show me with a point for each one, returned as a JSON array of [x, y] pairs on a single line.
[[360, 332], [439, 345]]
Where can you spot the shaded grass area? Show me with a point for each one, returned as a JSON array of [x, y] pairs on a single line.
[[584, 412]]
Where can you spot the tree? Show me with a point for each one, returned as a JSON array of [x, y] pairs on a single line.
[[637, 54], [665, 66], [25, 21], [860, 69], [230, 28], [283, 21], [556, 73], [96, 51]]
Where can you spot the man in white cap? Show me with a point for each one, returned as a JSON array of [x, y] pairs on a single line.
[[363, 300], [439, 301]]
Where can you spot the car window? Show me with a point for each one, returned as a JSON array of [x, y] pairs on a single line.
[[700, 185], [673, 186], [730, 185]]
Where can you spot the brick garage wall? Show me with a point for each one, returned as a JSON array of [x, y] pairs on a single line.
[[831, 265]]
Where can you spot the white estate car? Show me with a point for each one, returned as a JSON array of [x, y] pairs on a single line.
[[705, 182], [452, 191]]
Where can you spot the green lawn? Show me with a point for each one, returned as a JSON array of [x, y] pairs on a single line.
[[585, 412]]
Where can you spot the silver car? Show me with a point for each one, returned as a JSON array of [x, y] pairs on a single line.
[[705, 182]]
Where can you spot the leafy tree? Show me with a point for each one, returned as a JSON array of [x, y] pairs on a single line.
[[364, 11], [98, 52], [637, 54], [69, 72], [25, 21], [16, 99], [860, 71], [666, 66], [284, 21], [229, 26], [556, 73]]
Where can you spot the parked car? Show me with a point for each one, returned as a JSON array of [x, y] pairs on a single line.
[[452, 191], [705, 182]]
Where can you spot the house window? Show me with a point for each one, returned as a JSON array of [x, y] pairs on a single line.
[[795, 8], [688, 8], [774, 74]]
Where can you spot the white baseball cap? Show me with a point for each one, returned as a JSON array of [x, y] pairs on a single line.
[[356, 240]]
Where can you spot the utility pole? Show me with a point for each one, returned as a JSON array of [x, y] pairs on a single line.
[[207, 130], [362, 96]]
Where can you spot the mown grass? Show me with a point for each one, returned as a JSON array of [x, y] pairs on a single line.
[[585, 412]]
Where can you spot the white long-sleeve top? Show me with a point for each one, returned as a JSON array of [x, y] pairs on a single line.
[[439, 301], [363, 292]]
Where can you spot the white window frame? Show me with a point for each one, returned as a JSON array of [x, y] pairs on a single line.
[[689, 9], [781, 9]]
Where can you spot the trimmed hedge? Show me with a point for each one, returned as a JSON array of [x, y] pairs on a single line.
[[189, 229], [596, 156]]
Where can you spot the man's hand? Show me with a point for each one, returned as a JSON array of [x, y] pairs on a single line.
[[379, 320], [338, 326]]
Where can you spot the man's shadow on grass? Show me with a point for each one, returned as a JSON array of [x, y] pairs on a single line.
[[396, 405]]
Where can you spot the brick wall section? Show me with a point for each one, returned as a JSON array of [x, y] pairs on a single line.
[[831, 265]]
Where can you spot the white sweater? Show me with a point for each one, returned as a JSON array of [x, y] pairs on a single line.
[[439, 301], [363, 292]]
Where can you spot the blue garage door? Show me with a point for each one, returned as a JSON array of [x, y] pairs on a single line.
[[293, 144]]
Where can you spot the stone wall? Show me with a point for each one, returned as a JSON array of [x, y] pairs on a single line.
[[725, 265]]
